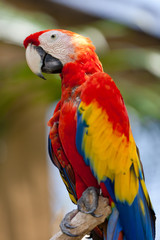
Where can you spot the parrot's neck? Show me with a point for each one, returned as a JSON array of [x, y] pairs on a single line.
[[75, 74]]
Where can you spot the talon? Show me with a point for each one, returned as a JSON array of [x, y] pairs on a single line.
[[70, 226], [89, 201], [95, 215], [65, 225]]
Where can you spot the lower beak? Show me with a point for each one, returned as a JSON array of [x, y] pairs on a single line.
[[39, 61]]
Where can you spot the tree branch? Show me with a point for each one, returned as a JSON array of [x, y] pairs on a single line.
[[85, 223]]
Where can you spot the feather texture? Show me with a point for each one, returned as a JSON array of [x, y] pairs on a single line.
[[105, 141]]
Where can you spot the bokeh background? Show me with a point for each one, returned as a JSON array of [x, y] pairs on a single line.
[[126, 34]]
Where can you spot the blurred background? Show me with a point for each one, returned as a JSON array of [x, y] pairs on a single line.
[[126, 35]]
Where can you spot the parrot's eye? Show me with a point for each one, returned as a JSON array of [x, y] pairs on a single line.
[[53, 35]]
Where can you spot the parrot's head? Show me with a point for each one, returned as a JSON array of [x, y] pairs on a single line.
[[48, 51]]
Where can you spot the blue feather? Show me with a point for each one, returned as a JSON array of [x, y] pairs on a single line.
[[70, 186], [137, 219], [137, 222], [114, 226], [50, 150], [82, 127]]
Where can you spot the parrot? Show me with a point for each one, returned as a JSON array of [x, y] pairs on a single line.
[[90, 139]]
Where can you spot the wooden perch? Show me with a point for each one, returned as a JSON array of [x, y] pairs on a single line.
[[86, 222]]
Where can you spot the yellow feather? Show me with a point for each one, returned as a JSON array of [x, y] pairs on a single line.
[[126, 186], [70, 194], [110, 153], [145, 191], [142, 206]]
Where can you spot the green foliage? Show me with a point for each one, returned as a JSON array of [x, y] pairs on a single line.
[[21, 89]]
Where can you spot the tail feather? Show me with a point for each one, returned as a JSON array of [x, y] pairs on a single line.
[[114, 228], [136, 221]]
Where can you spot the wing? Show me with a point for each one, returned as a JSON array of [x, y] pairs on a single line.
[[105, 141], [58, 156]]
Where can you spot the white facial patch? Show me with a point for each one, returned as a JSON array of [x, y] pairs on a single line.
[[33, 59], [58, 44]]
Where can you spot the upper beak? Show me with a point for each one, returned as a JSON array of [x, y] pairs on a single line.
[[39, 61]]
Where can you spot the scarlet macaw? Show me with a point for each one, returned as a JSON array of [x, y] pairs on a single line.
[[90, 138]]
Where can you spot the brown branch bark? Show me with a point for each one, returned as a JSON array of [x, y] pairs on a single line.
[[86, 222]]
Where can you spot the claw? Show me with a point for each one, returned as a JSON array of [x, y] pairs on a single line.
[[95, 215], [89, 201], [65, 225], [70, 226]]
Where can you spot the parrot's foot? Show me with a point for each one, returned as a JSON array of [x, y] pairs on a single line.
[[86, 204], [89, 201], [65, 225]]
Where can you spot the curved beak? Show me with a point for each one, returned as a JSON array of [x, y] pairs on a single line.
[[39, 61]]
